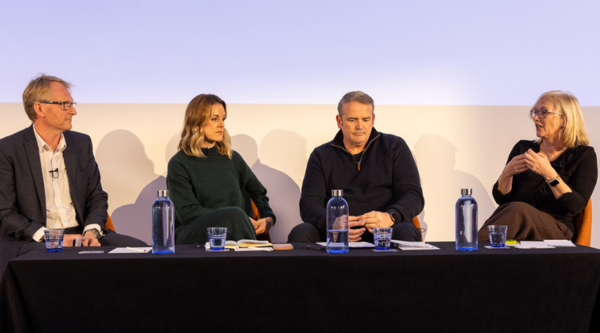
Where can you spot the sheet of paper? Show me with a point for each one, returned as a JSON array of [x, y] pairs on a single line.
[[419, 248], [532, 245], [559, 242], [131, 250], [354, 245], [413, 246], [250, 249], [399, 243]]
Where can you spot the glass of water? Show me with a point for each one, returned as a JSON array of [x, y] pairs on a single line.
[[497, 235], [54, 239], [383, 238], [217, 237]]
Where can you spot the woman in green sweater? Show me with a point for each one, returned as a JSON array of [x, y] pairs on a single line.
[[209, 183]]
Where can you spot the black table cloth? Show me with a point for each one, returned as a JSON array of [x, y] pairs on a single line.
[[303, 290]]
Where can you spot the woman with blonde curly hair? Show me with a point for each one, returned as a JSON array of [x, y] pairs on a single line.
[[209, 183], [546, 183]]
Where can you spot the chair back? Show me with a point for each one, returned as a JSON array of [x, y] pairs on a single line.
[[418, 225], [256, 217], [109, 224], [584, 225]]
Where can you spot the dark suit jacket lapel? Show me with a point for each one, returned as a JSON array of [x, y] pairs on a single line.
[[70, 157], [33, 155]]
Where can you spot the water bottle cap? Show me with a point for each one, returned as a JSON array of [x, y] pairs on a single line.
[[163, 193], [337, 193], [466, 191]]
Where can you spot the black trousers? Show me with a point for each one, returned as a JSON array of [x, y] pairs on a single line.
[[308, 233]]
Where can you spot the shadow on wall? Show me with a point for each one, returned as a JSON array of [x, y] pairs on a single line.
[[136, 219], [125, 169], [282, 190], [435, 157]]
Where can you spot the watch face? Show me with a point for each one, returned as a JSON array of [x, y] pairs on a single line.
[[394, 217], [554, 182]]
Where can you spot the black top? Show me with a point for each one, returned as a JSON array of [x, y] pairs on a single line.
[[384, 178], [199, 185], [577, 167]]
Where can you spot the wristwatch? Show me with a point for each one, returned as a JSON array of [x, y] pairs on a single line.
[[554, 182], [394, 216], [95, 232]]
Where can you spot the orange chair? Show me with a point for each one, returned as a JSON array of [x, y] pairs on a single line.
[[584, 226], [418, 225], [109, 224], [256, 217]]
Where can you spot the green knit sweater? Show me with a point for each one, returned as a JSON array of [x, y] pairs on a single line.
[[200, 185]]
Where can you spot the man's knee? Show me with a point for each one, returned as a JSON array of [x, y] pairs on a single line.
[[406, 231], [304, 233]]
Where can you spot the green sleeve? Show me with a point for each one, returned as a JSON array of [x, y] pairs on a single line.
[[254, 188]]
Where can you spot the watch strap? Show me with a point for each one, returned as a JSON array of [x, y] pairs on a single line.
[[394, 216], [95, 232]]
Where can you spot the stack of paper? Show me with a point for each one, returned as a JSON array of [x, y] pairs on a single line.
[[409, 246], [545, 244], [131, 250], [559, 242], [353, 245]]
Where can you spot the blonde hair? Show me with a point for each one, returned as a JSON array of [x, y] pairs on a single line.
[[38, 90], [573, 132], [198, 112]]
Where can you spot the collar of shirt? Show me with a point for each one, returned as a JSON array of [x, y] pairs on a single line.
[[42, 145]]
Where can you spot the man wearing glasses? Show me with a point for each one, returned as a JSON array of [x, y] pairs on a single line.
[[49, 177]]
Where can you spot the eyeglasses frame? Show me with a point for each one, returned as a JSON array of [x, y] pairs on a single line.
[[62, 104], [533, 113]]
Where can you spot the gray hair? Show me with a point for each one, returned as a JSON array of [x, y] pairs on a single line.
[[355, 96]]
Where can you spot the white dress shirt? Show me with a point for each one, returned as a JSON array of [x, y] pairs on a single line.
[[60, 212]]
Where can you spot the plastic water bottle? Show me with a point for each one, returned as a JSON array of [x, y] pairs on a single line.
[[337, 223], [163, 224], [466, 221]]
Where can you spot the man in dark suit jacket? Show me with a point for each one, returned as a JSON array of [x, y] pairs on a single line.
[[49, 177]]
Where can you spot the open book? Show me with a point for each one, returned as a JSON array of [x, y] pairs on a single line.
[[243, 243]]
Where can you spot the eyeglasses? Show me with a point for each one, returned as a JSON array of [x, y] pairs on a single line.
[[66, 106], [542, 113]]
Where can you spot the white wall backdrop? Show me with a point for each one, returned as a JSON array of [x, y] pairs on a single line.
[[454, 146], [455, 79]]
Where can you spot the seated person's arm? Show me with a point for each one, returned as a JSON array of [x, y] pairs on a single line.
[[13, 224], [96, 200], [314, 196], [514, 165], [258, 194], [262, 226], [408, 194], [575, 195]]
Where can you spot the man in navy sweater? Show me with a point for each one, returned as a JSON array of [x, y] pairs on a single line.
[[376, 171]]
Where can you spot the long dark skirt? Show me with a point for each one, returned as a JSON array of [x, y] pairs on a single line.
[[525, 222], [233, 218]]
